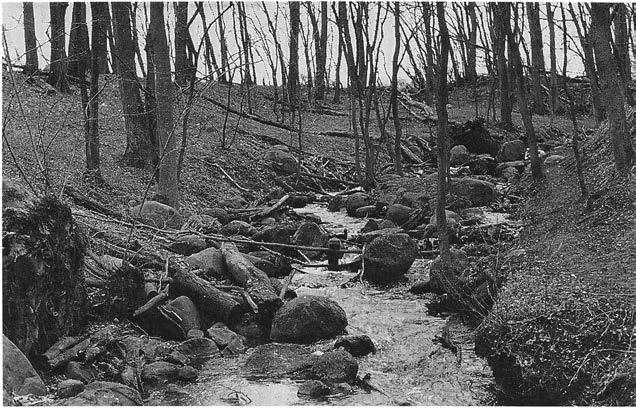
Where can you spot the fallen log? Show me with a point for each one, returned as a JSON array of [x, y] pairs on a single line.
[[67, 349], [255, 281], [333, 180], [91, 204], [210, 300], [264, 213], [407, 153], [151, 304]]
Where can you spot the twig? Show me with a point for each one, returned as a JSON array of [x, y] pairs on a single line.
[[287, 282]]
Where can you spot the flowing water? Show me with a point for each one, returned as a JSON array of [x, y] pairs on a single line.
[[408, 367]]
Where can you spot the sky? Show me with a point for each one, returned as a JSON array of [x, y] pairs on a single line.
[[14, 30]]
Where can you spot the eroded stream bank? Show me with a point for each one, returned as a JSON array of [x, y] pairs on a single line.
[[409, 367]]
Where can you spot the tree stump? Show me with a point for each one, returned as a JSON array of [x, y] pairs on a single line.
[[42, 278]]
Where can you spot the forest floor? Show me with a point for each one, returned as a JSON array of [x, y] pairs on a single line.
[[575, 283]]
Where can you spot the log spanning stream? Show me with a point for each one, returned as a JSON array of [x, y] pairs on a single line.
[[409, 367]]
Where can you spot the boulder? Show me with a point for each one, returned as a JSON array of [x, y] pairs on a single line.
[[195, 334], [278, 233], [413, 199], [69, 388], [307, 319], [222, 336], [187, 373], [371, 225], [452, 218], [157, 214], [335, 367], [335, 203], [310, 234], [210, 261], [474, 135], [273, 265], [370, 236], [188, 244], [313, 389], [198, 348], [77, 371], [274, 360], [18, 375], [219, 213], [105, 393], [159, 372], [519, 165], [510, 174], [298, 201], [389, 257], [384, 224], [282, 161], [366, 211], [355, 201], [188, 315], [482, 164], [459, 155], [203, 223], [398, 213], [478, 192], [472, 215], [441, 278], [237, 227], [233, 202], [511, 151], [356, 345]]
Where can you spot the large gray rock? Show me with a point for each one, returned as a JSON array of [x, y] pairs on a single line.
[[203, 223], [219, 213], [105, 393], [398, 213], [444, 278], [159, 371], [158, 214], [210, 261], [355, 201], [459, 155], [282, 161], [69, 388], [307, 319], [368, 237], [188, 244], [186, 310], [275, 233], [237, 227], [389, 257], [274, 360], [478, 192], [335, 367], [366, 211], [511, 151], [198, 348], [18, 374], [452, 218], [311, 234]]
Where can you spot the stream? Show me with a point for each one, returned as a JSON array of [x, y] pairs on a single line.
[[408, 367]]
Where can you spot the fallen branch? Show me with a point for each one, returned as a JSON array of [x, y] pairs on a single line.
[[151, 304], [222, 170], [256, 118], [333, 180], [91, 204]]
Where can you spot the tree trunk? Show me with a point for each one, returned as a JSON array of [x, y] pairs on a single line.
[[167, 182], [622, 48], [99, 44], [78, 42], [471, 53], [139, 150], [320, 44], [502, 65], [181, 65], [554, 91], [611, 88], [292, 78], [59, 64], [338, 85], [135, 38], [245, 44], [538, 61], [223, 76], [526, 115], [394, 93], [30, 42], [442, 135], [92, 137], [210, 59]]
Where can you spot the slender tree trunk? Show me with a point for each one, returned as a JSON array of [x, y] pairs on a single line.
[[245, 43], [210, 59], [30, 42], [611, 88], [78, 41], [292, 78], [181, 65], [139, 151], [92, 137], [168, 185], [526, 115], [431, 80], [502, 65], [621, 41], [320, 44], [538, 61], [59, 63], [471, 60], [442, 135], [111, 40], [135, 37], [279, 53], [394, 93], [223, 76], [338, 85], [150, 99], [99, 45], [554, 91]]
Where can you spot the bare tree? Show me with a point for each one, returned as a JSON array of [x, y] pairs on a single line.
[[78, 48], [499, 41], [320, 45], [92, 134], [30, 43], [442, 135], [223, 76], [59, 64], [538, 61], [621, 41], [135, 38], [526, 115], [181, 66], [99, 43], [554, 92], [292, 78], [397, 155], [210, 59], [139, 149], [611, 88], [167, 181]]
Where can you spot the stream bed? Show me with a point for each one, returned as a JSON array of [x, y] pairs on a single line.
[[408, 367]]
